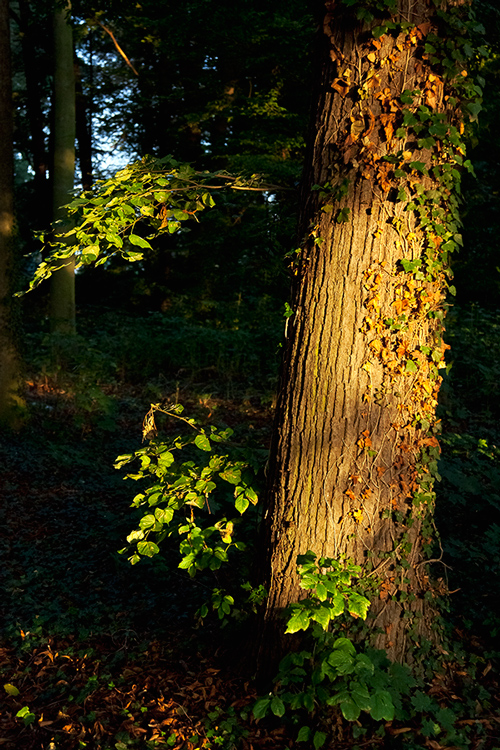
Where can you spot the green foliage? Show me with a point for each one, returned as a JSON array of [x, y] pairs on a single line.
[[26, 716], [217, 476], [329, 582], [332, 672], [150, 197], [223, 729]]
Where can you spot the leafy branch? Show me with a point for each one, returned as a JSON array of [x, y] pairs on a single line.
[[124, 214], [182, 493]]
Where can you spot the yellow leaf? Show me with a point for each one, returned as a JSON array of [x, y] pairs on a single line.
[[10, 689]]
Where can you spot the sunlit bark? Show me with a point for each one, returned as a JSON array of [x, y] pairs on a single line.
[[343, 470]]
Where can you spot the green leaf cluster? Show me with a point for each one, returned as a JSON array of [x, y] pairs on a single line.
[[332, 672], [124, 214], [183, 496], [329, 583]]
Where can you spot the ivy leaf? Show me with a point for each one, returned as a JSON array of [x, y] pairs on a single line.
[[474, 108], [411, 366], [419, 166], [421, 702], [25, 714]]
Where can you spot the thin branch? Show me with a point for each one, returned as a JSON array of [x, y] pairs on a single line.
[[122, 53]]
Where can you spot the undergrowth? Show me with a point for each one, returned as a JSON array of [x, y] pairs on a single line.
[[93, 647]]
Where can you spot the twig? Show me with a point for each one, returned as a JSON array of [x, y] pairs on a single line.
[[122, 53]]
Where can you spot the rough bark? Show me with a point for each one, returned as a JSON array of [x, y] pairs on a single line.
[[357, 397], [10, 399], [62, 290]]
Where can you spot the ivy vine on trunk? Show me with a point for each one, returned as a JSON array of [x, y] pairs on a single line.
[[354, 455]]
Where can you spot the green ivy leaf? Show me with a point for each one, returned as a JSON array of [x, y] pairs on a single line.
[[25, 714], [411, 366]]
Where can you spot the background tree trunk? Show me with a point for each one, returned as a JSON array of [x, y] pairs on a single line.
[[62, 289], [10, 399], [36, 119], [353, 454]]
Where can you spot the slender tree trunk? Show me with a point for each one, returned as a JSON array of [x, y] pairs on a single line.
[[354, 450], [35, 116], [62, 290], [83, 130], [10, 399]]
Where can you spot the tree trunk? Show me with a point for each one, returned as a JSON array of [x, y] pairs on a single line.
[[62, 289], [10, 399], [83, 124], [354, 452], [27, 27]]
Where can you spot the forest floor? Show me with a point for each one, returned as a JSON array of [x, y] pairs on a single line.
[[97, 654]]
